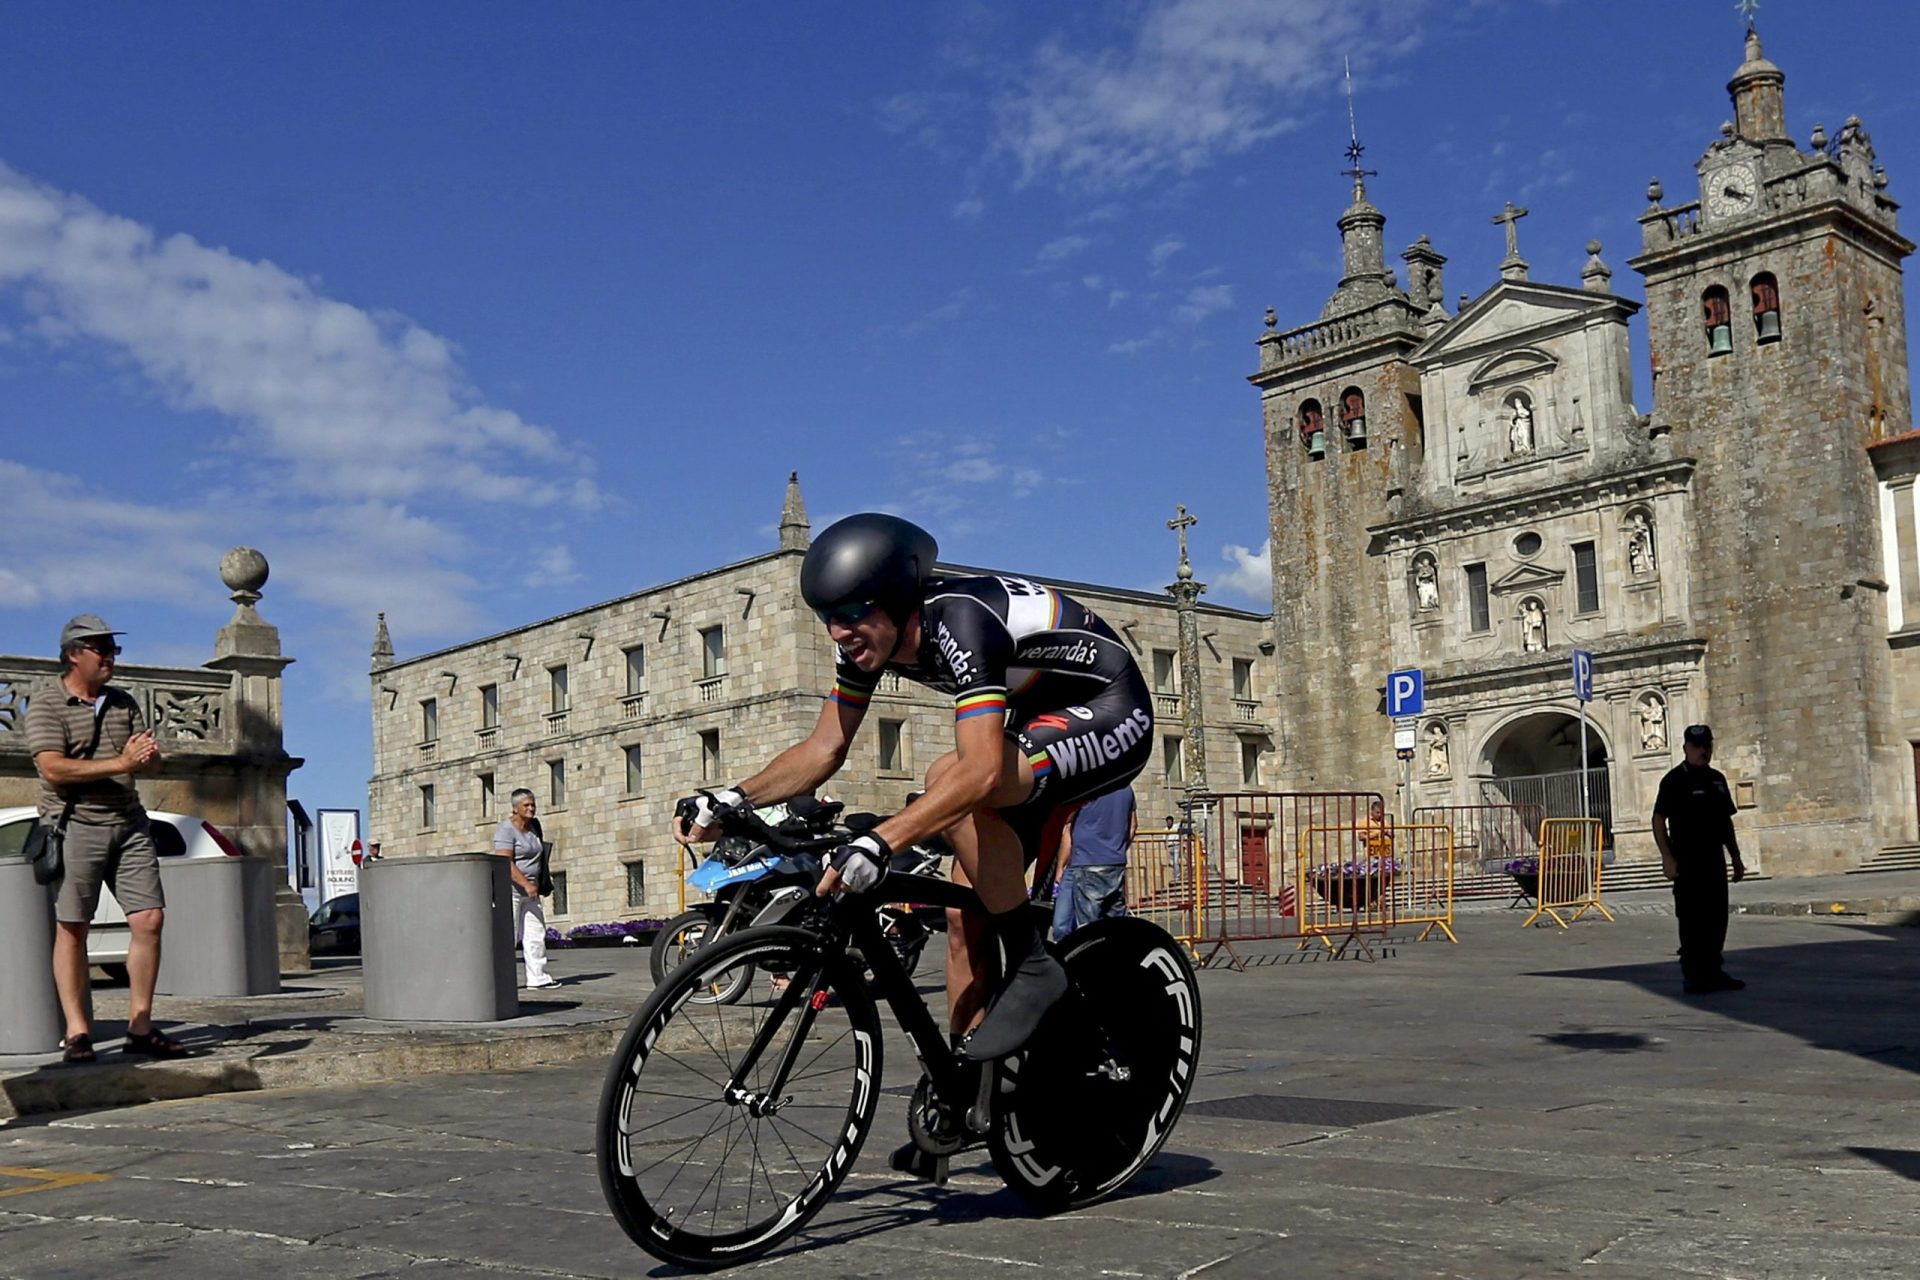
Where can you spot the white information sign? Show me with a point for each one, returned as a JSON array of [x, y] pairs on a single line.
[[1403, 738], [339, 840]]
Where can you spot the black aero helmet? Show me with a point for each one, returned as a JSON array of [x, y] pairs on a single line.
[[865, 560]]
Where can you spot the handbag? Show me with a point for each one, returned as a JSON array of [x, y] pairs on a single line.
[[543, 883], [45, 846]]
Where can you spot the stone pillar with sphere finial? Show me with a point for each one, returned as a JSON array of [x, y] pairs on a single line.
[[1186, 597], [248, 648]]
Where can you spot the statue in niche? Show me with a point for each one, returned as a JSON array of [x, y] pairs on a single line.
[[1438, 765], [1520, 430], [1653, 724], [1533, 625], [1426, 584], [1640, 544]]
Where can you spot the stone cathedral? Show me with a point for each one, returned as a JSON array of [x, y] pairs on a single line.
[[1473, 492]]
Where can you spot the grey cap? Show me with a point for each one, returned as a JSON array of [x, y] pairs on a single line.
[[85, 627]]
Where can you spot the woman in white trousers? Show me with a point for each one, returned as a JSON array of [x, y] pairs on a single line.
[[517, 839]]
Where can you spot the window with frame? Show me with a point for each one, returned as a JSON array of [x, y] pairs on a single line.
[[1586, 578], [429, 719], [713, 652], [559, 700], [1243, 679], [636, 884], [892, 742], [427, 814], [1166, 672], [559, 895], [556, 783], [1249, 762], [1173, 761], [635, 775], [489, 706], [1479, 615], [636, 669], [486, 795], [709, 755]]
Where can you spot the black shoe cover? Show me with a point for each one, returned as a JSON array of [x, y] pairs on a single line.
[[1034, 984]]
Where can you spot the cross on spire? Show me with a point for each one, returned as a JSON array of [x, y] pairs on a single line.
[[1180, 524], [1747, 8], [1511, 216]]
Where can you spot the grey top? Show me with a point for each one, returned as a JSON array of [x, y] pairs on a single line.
[[525, 846], [58, 721]]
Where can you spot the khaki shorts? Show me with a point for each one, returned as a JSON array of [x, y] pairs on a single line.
[[120, 855]]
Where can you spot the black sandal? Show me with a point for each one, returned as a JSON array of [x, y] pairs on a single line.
[[78, 1050], [154, 1044]]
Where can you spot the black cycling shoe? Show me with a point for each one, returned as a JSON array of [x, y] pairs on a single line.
[[1035, 985], [915, 1163]]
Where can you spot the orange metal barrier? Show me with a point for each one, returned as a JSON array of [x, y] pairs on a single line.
[[1570, 869], [1348, 875], [1160, 885], [1487, 835], [1423, 883], [1240, 880]]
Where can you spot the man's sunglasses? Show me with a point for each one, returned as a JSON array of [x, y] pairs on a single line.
[[846, 615], [104, 650]]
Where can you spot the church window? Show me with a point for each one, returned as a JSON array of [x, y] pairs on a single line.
[[1353, 416], [1718, 314], [1527, 544], [1586, 578], [1766, 307], [1313, 429], [1478, 614]]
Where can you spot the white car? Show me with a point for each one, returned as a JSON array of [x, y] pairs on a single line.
[[175, 835]]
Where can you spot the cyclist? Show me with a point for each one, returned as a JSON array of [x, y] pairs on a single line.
[[1049, 710]]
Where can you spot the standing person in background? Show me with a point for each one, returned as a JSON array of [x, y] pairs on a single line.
[[87, 741], [517, 839], [1090, 875], [1693, 826]]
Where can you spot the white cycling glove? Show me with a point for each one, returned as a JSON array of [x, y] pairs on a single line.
[[861, 862], [703, 810]]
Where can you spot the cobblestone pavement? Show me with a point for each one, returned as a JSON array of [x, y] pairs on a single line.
[[1547, 1103]]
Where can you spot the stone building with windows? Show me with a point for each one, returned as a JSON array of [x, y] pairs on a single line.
[[610, 713], [1473, 492]]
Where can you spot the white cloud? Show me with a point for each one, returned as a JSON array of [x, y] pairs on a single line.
[[1131, 346], [552, 567], [1058, 250], [1158, 255], [1194, 81], [953, 308], [968, 210], [1202, 301], [1251, 574]]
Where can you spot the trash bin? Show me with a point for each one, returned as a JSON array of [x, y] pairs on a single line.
[[436, 939], [220, 937], [30, 1019]]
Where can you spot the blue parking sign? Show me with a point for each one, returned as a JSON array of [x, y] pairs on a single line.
[[1406, 692], [1583, 675]]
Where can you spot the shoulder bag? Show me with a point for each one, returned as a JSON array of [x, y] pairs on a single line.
[[45, 845]]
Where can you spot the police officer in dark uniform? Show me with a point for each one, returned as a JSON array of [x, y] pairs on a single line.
[[1692, 823]]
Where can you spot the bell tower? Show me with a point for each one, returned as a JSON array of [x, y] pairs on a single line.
[[1777, 329]]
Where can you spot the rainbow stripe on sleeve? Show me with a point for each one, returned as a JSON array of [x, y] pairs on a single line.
[[980, 704], [848, 696]]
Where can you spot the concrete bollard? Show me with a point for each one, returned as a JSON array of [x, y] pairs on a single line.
[[220, 937], [30, 1019], [436, 939]]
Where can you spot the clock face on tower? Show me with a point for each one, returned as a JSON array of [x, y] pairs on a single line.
[[1732, 191]]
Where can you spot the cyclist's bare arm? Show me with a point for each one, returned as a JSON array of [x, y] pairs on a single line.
[[976, 778], [797, 770]]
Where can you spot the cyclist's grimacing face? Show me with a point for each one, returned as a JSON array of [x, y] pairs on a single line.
[[868, 641]]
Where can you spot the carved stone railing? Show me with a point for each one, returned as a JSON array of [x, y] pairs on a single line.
[[1166, 705], [487, 739], [556, 723], [430, 750], [190, 709], [1311, 340], [1246, 710], [710, 688], [633, 706]]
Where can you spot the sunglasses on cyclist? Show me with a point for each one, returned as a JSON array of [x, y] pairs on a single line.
[[847, 615]]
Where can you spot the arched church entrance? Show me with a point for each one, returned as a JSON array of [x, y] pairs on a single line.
[[1534, 760]]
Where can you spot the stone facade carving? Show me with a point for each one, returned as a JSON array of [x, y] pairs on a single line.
[[13, 707], [1653, 723], [1640, 552], [1439, 763], [182, 714], [1426, 584], [1533, 625], [1519, 426]]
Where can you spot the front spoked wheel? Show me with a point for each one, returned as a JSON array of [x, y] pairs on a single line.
[[723, 1129], [1096, 1092]]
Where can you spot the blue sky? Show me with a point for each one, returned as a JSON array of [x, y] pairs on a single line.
[[477, 313]]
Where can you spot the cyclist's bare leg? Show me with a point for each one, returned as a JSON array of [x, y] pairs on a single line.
[[982, 841]]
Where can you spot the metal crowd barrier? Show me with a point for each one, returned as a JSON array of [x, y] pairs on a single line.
[[1570, 869], [1243, 876], [1423, 881]]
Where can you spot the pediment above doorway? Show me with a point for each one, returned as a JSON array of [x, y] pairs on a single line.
[[1526, 577]]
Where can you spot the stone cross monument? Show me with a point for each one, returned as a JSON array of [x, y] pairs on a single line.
[[1186, 595]]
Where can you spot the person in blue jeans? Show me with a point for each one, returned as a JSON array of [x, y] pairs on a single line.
[[1090, 879]]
